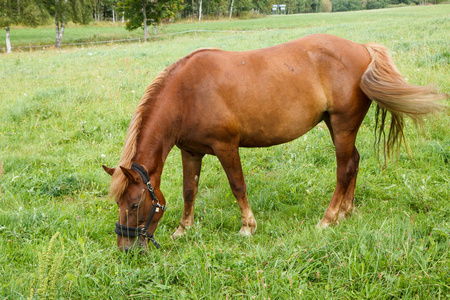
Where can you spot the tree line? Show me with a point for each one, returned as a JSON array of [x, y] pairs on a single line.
[[145, 13]]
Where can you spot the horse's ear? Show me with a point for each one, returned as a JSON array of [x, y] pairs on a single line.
[[132, 175], [110, 171]]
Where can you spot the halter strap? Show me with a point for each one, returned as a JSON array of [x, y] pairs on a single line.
[[146, 179], [140, 169]]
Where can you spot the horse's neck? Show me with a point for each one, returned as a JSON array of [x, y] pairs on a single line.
[[153, 146]]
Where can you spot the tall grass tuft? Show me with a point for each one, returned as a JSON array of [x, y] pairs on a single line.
[[1, 173], [49, 265]]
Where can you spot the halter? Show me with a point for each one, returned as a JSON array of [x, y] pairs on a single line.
[[128, 231]]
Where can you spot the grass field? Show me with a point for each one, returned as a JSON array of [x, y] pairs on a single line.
[[64, 113]]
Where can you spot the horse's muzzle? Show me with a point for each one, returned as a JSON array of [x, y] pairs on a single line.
[[133, 235]]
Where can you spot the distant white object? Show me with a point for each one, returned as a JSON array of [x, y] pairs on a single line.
[[279, 9]]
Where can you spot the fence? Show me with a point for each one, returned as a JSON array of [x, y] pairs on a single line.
[[133, 39]]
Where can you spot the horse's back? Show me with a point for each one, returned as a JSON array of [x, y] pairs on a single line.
[[272, 95]]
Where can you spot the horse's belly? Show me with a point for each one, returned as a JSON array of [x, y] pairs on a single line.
[[279, 127], [276, 107]]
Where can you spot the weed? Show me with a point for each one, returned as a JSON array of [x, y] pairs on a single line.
[[1, 173], [48, 271]]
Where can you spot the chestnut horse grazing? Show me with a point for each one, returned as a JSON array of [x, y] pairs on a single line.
[[214, 101]]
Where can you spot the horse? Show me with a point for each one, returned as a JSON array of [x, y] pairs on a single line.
[[213, 102]]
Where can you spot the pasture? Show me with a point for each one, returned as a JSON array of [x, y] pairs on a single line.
[[64, 114]]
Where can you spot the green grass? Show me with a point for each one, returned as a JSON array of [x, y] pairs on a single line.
[[64, 113]]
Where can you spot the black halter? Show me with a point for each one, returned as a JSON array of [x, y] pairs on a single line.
[[142, 231]]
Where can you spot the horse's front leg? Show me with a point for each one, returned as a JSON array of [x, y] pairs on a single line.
[[231, 162], [192, 164]]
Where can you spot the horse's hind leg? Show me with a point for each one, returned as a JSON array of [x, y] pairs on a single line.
[[231, 162], [344, 123], [347, 205], [347, 156], [192, 164]]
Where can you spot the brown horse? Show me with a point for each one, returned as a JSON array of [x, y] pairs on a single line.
[[214, 101]]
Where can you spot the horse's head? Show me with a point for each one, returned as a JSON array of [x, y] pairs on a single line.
[[139, 207]]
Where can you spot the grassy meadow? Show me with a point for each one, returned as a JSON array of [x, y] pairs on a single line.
[[64, 113]]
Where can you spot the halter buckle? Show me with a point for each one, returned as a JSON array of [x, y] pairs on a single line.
[[150, 187]]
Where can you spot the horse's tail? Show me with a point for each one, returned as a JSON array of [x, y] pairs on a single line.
[[383, 83]]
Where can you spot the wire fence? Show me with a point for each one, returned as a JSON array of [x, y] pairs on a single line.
[[133, 39]]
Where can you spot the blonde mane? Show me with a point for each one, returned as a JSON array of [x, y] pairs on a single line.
[[119, 182]]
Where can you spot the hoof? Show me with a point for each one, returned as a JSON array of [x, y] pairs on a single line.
[[323, 224], [345, 214], [179, 233], [342, 216], [248, 230]]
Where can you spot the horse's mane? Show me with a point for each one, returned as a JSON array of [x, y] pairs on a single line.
[[119, 181]]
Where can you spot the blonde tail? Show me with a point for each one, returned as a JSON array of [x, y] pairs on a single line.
[[383, 83]]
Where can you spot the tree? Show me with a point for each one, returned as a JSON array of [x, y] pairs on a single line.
[[347, 5], [8, 17], [141, 12], [377, 4], [27, 12], [241, 7], [113, 4], [262, 6], [98, 10], [298, 6], [61, 8], [77, 11]]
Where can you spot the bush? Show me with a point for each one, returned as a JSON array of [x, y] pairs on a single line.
[[346, 5], [377, 4], [327, 6]]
